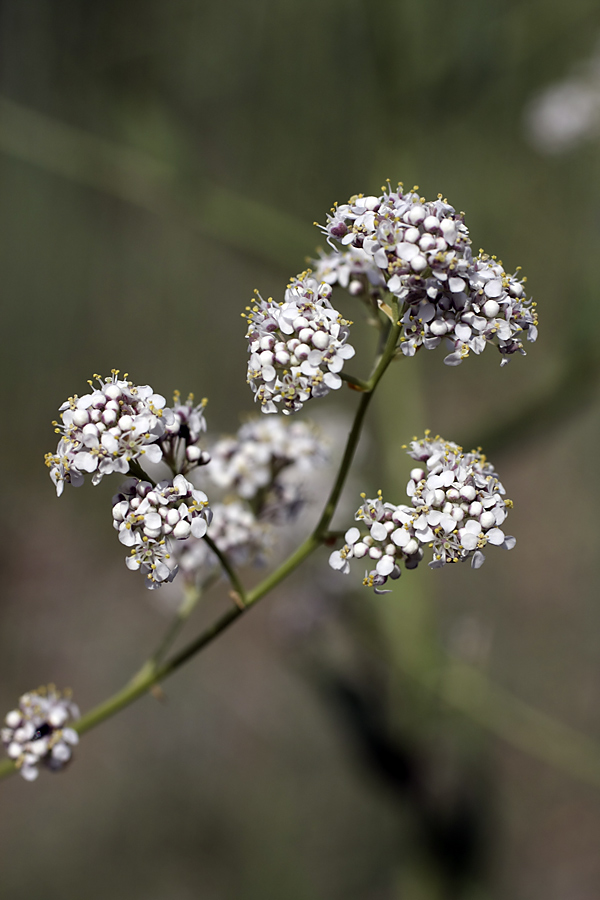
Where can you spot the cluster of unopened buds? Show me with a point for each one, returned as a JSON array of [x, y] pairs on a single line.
[[38, 733], [148, 518], [458, 506], [185, 426]]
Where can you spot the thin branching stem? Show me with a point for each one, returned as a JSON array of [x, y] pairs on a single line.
[[151, 673]]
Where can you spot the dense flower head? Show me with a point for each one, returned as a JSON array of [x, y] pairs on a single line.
[[185, 427], [104, 430], [458, 507], [149, 518], [266, 463], [37, 732], [488, 306], [423, 253], [235, 531], [297, 347], [412, 241]]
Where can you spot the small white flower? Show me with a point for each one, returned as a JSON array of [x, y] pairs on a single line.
[[37, 731], [297, 347]]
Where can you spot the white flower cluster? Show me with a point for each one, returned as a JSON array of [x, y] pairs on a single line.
[[267, 462], [491, 308], [37, 733], [179, 444], [297, 347], [457, 508], [262, 473], [104, 430], [423, 252], [148, 519]]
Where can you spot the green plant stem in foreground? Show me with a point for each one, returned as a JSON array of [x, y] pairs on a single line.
[[151, 673], [464, 688]]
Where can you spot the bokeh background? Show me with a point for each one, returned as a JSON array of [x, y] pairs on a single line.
[[158, 161]]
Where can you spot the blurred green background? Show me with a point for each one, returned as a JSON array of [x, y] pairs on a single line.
[[158, 161]]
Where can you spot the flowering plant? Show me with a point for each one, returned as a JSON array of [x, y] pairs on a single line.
[[222, 504]]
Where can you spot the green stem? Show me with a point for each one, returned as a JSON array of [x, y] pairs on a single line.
[[191, 596], [357, 383], [136, 470], [150, 674], [147, 677], [228, 568]]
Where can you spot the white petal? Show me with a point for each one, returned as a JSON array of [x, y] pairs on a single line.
[[462, 331], [456, 285], [85, 462], [352, 535], [152, 520], [394, 284], [110, 443], [158, 401], [332, 381], [472, 526], [448, 523], [495, 536], [378, 531], [70, 736], [127, 537], [346, 351], [153, 453], [161, 572], [400, 537], [493, 288], [477, 560], [407, 251], [199, 527], [385, 565], [468, 539]]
